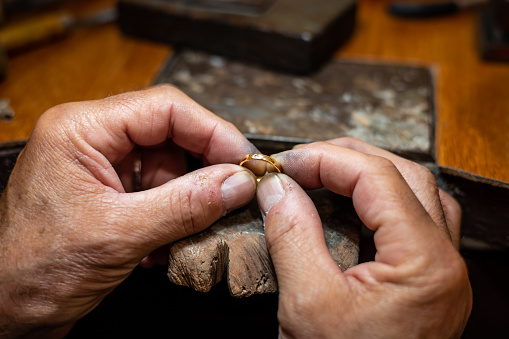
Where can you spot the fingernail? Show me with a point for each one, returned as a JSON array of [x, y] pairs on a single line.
[[270, 191], [238, 190]]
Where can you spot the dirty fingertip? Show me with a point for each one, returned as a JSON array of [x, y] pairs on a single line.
[[270, 191]]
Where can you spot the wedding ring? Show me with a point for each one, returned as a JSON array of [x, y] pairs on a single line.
[[275, 166], [137, 172]]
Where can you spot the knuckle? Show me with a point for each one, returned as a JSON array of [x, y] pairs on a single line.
[[458, 271], [320, 144], [125, 103], [425, 175], [348, 142], [449, 199], [450, 204], [168, 87], [229, 125], [445, 267], [303, 306], [168, 90], [425, 178], [52, 114], [51, 121], [130, 102], [381, 163], [452, 275], [320, 148]]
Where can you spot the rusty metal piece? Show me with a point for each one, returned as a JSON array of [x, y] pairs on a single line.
[[6, 111]]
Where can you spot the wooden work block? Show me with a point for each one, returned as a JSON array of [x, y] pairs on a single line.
[[234, 248], [291, 35]]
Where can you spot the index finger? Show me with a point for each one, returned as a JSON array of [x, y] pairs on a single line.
[[112, 125], [382, 198], [424, 185]]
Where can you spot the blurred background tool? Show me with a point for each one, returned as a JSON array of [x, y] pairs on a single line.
[[494, 31], [46, 27], [6, 111], [9, 8], [429, 9], [43, 28], [288, 35], [244, 7]]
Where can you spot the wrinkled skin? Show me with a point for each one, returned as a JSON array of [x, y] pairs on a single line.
[[71, 229], [417, 286]]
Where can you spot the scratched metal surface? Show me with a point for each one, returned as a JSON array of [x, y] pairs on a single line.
[[288, 17], [246, 7], [387, 105]]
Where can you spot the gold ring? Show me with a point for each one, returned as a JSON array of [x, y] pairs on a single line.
[[262, 157]]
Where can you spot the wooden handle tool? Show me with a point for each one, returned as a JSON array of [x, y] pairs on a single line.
[[49, 26], [12, 7]]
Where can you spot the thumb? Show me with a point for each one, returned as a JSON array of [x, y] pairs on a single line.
[[295, 238], [185, 205]]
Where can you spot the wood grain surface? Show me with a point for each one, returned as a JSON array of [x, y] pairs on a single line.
[[472, 96], [234, 249], [472, 100], [88, 63]]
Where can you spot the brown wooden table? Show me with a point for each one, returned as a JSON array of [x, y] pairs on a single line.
[[472, 96], [472, 103]]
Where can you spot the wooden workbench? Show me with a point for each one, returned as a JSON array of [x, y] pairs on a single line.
[[472, 124], [472, 105]]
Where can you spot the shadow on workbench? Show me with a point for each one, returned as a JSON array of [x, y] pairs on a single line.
[[489, 275], [148, 305]]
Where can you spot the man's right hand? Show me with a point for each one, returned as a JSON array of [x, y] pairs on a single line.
[[417, 286]]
